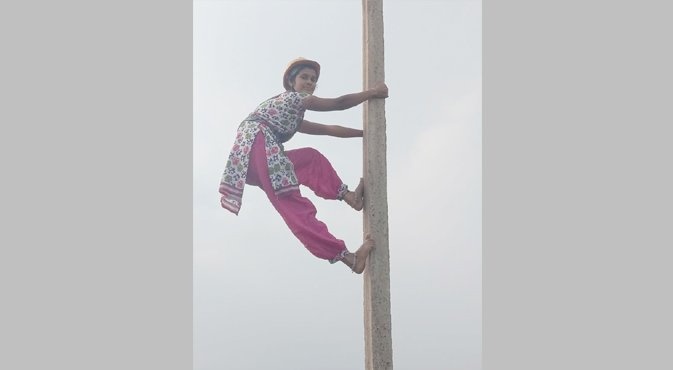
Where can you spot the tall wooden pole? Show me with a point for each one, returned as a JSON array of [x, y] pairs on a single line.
[[378, 337]]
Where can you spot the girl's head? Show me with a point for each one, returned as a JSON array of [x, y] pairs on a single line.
[[301, 75]]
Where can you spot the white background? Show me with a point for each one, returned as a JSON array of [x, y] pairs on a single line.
[[262, 301]]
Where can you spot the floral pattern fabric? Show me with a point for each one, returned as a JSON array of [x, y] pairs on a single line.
[[278, 118]]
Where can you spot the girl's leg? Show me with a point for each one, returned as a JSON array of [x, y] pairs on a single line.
[[298, 212], [316, 172]]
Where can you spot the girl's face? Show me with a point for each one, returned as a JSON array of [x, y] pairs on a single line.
[[305, 81]]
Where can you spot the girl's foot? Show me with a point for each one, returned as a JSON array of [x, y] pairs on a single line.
[[358, 260], [355, 198]]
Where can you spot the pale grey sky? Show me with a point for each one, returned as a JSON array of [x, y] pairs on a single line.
[[261, 300]]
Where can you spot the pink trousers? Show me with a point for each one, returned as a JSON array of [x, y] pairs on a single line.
[[314, 171]]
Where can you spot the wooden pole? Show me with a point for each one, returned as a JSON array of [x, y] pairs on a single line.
[[377, 318]]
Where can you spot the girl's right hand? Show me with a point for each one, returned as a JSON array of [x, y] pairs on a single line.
[[380, 90]]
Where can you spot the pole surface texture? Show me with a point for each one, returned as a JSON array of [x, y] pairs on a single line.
[[377, 318]]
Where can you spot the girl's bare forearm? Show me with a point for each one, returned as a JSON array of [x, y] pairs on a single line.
[[345, 132]]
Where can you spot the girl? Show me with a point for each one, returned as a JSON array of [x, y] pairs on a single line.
[[258, 158]]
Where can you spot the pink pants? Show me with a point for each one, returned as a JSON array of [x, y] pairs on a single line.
[[314, 171]]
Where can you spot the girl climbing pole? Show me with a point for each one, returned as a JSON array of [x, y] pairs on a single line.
[[258, 158]]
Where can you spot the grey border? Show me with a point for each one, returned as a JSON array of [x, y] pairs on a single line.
[[577, 185], [96, 265]]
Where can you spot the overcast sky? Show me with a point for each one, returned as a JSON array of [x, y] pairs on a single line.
[[261, 300]]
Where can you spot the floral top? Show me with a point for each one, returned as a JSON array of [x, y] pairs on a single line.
[[278, 118]]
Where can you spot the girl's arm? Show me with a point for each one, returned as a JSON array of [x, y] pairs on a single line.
[[313, 128], [346, 101]]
